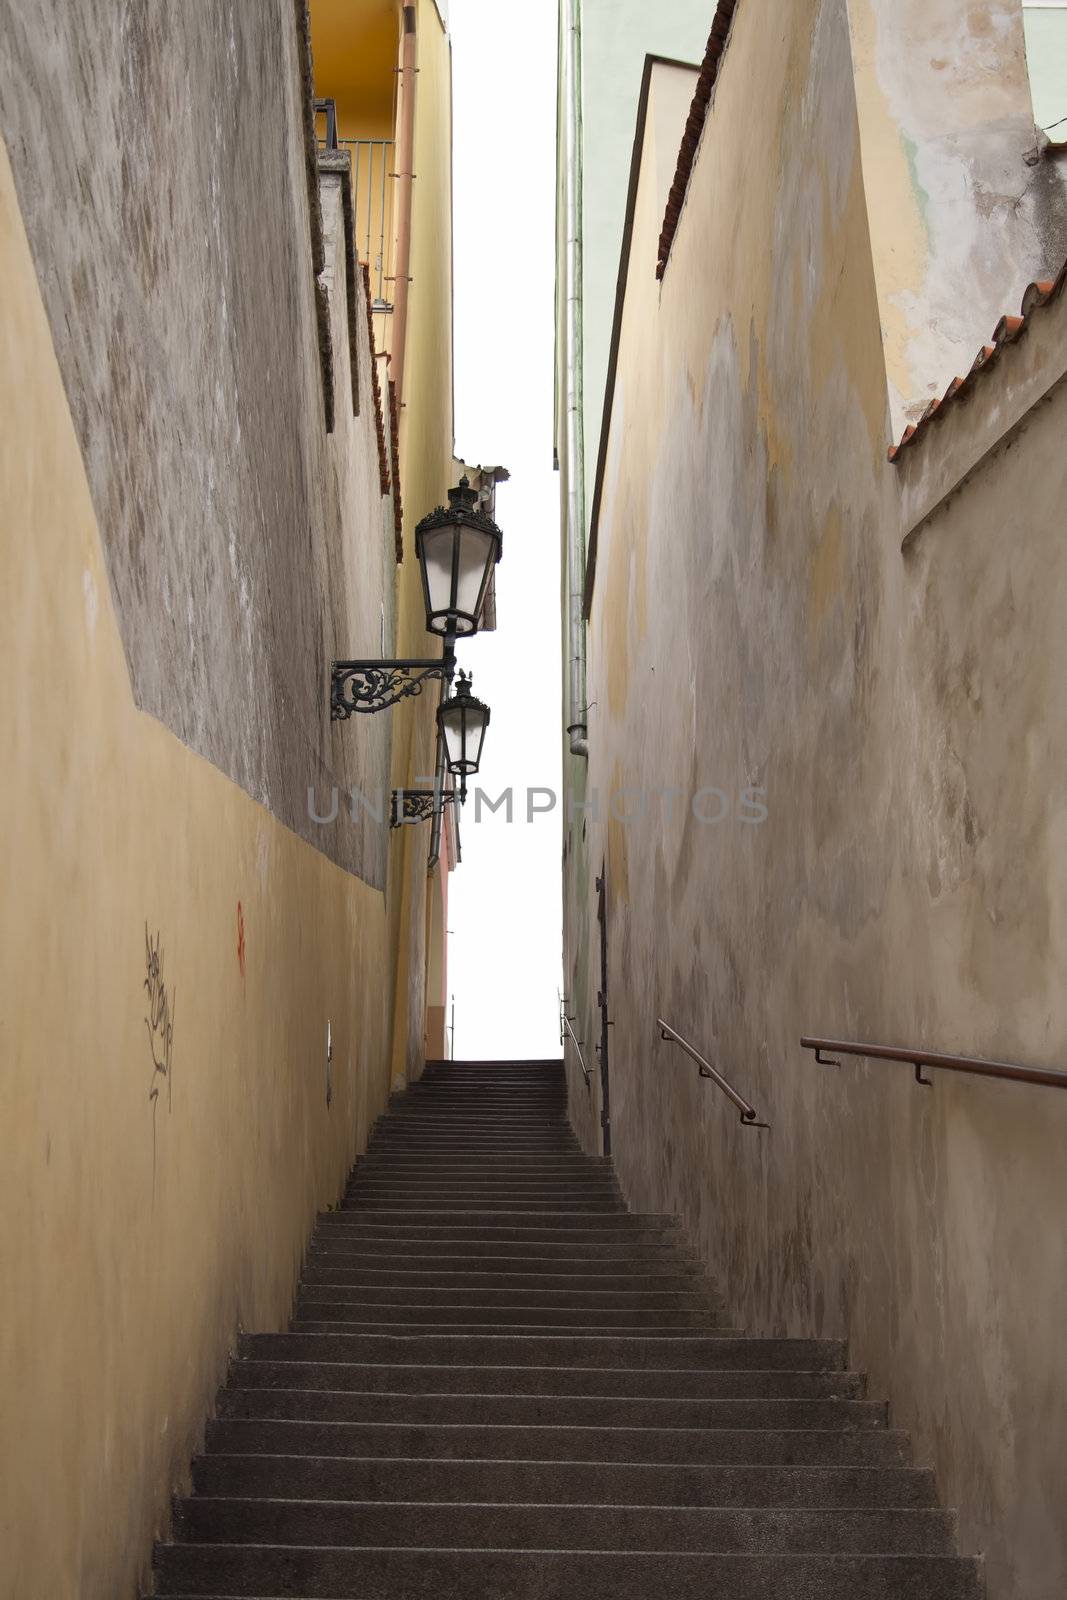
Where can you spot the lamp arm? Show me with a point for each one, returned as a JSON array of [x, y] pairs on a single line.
[[367, 686]]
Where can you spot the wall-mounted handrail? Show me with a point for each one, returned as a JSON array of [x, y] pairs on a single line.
[[581, 1059], [976, 1065], [748, 1113]]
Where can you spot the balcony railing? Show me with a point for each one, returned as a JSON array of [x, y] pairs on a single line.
[[372, 195], [372, 198]]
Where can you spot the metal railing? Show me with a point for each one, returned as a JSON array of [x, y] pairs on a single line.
[[564, 1029], [372, 168], [978, 1066], [748, 1113], [327, 110]]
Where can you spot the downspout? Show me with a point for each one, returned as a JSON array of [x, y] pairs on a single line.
[[405, 155], [575, 513], [439, 814]]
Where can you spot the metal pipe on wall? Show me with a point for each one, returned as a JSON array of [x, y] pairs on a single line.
[[405, 155], [575, 514]]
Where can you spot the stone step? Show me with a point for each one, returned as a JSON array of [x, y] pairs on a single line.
[[561, 1482], [345, 1405], [610, 1385], [859, 1447], [494, 1187], [518, 1164], [497, 1221], [407, 1525], [375, 1574], [617, 1255], [523, 1290], [535, 1325], [642, 1281], [442, 1126], [419, 1174], [616, 1227], [581, 1306], [606, 1350], [536, 1095], [444, 1121], [417, 1146], [452, 1205], [319, 1305]]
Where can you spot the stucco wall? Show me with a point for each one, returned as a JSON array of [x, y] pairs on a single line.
[[160, 163], [185, 548], [426, 458], [756, 624], [963, 212], [153, 916]]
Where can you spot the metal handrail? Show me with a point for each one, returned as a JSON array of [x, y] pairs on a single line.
[[748, 1113], [581, 1059], [976, 1065]]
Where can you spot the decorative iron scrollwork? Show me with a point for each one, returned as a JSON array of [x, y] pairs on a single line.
[[419, 805], [366, 686]]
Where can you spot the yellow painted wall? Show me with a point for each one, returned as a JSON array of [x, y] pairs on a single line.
[[354, 46], [343, 71], [426, 456], [137, 1236]]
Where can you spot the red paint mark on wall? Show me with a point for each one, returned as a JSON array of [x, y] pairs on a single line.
[[240, 938]]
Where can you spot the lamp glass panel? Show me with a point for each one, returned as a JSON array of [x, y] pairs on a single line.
[[477, 721], [437, 568], [452, 723], [475, 554]]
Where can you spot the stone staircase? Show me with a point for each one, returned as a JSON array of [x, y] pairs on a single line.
[[501, 1383]]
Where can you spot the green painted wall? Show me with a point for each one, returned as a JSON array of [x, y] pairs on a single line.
[[1046, 54], [616, 37]]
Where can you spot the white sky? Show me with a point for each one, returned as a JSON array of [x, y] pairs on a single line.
[[505, 950]]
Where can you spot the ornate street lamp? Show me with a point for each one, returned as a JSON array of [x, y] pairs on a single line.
[[462, 721], [458, 547], [457, 550]]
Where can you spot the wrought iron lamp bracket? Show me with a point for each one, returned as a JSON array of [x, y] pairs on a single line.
[[419, 805], [367, 686]]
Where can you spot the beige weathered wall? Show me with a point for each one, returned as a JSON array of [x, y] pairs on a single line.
[[184, 549], [962, 212], [756, 624], [139, 1236], [426, 459]]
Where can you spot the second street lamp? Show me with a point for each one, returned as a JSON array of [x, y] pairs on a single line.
[[462, 721], [461, 724]]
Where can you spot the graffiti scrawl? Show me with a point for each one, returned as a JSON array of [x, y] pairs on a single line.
[[159, 1020]]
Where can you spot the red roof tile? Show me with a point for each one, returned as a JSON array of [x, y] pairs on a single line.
[[379, 420], [705, 87], [394, 435], [1007, 331]]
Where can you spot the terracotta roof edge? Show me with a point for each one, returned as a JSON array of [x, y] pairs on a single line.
[[1008, 331], [703, 94]]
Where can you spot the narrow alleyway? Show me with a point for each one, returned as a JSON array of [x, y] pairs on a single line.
[[499, 1381]]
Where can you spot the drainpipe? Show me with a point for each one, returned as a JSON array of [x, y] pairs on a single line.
[[405, 155], [575, 513]]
